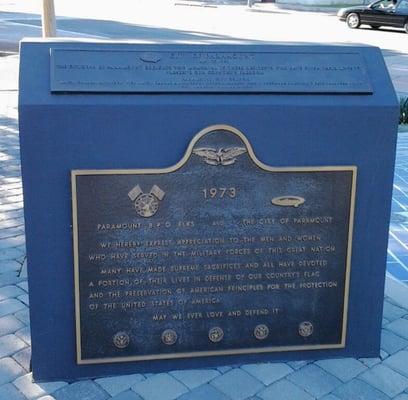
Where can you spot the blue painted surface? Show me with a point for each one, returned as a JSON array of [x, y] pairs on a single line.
[[64, 132]]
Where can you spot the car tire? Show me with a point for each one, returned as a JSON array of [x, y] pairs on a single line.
[[375, 26], [353, 20]]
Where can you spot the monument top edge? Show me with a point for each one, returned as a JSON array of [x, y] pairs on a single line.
[[247, 45]]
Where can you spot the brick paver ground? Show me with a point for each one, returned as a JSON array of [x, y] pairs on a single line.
[[345, 379], [397, 263]]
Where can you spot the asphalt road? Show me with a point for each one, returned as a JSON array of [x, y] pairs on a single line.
[[180, 20]]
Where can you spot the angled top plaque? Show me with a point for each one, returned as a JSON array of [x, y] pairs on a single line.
[[219, 254]]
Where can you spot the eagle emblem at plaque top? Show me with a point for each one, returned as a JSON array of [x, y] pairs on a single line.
[[221, 156]]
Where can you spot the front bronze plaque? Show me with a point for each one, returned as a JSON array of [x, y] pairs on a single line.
[[220, 254]]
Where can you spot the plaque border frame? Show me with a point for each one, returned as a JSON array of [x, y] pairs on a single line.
[[178, 165]]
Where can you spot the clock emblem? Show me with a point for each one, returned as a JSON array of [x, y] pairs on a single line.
[[146, 204]]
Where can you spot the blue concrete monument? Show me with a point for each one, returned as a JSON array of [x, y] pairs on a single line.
[[191, 206]]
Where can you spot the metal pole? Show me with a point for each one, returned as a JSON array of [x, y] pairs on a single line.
[[48, 19]]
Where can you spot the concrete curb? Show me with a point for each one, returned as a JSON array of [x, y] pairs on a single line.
[[8, 47], [300, 7], [258, 6]]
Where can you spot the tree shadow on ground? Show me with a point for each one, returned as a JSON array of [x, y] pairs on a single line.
[[383, 29], [106, 29], [12, 239]]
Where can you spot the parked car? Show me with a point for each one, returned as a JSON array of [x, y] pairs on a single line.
[[380, 13]]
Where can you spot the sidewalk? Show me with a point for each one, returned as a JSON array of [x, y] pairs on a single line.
[[344, 379]]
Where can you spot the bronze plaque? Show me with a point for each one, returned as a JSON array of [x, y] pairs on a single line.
[[219, 254]]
